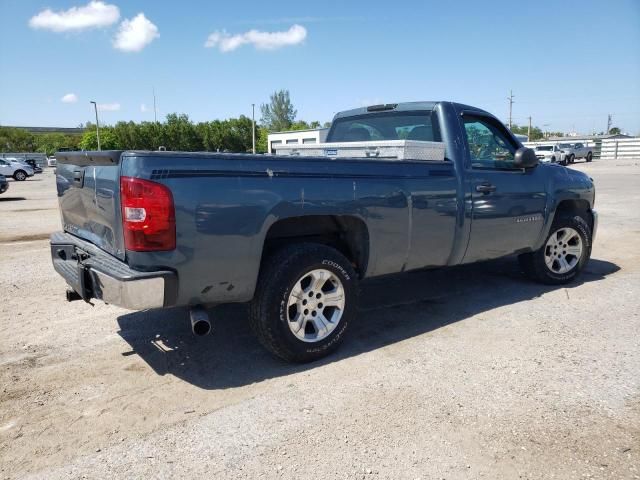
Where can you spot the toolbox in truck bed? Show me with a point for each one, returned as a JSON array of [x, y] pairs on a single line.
[[383, 150]]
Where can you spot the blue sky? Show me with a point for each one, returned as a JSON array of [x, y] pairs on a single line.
[[569, 63]]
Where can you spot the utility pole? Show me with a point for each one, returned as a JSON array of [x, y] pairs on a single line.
[[155, 112], [608, 124], [529, 130], [253, 126], [510, 98], [95, 107]]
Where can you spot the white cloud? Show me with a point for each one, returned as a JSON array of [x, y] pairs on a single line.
[[260, 40], [69, 98], [135, 34], [143, 108], [93, 15], [109, 107]]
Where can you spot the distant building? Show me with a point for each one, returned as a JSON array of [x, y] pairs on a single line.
[[41, 130], [293, 137]]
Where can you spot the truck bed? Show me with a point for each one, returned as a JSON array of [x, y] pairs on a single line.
[[226, 204]]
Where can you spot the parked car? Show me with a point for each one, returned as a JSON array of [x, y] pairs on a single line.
[[32, 163], [573, 151], [4, 185], [13, 168], [549, 153], [51, 162], [294, 235]]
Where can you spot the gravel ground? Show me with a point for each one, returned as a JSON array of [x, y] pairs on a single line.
[[471, 372]]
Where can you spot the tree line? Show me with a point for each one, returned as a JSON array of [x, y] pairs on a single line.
[[178, 132]]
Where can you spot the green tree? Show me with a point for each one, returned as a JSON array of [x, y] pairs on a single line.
[[536, 132], [50, 143], [108, 140], [614, 131], [279, 113], [16, 140], [181, 134], [262, 140]]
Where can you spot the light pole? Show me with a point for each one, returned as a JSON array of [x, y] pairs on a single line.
[[95, 107], [253, 126]]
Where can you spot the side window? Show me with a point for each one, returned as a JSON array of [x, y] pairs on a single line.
[[489, 144]]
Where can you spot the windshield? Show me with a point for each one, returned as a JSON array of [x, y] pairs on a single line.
[[544, 148], [421, 125]]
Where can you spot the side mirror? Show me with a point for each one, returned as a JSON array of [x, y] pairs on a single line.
[[525, 158]]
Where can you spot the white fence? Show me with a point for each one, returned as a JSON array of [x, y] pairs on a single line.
[[620, 148]]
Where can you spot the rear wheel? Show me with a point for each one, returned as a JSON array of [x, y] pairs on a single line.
[[589, 157], [305, 298], [564, 254], [20, 175]]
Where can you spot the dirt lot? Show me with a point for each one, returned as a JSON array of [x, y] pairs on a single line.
[[467, 373]]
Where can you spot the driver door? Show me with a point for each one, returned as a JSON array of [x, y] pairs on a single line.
[[507, 203]]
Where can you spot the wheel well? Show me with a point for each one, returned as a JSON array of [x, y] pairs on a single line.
[[347, 234], [572, 207]]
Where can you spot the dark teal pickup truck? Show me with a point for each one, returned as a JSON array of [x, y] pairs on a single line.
[[295, 235]]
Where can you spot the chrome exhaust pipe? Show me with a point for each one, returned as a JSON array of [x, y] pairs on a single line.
[[200, 322]]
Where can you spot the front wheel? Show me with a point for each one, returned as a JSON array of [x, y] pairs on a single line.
[[589, 157], [572, 159], [20, 176], [306, 296], [564, 254]]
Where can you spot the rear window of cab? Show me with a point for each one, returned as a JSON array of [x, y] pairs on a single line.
[[410, 125]]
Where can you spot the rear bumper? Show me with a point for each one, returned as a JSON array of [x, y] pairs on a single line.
[[93, 273]]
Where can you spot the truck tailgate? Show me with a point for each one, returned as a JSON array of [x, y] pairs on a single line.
[[88, 191]]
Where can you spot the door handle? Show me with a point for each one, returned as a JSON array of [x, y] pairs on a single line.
[[485, 188]]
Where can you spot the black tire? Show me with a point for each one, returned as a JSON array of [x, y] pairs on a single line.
[[572, 158], [553, 159], [589, 157], [19, 175], [268, 313], [534, 264]]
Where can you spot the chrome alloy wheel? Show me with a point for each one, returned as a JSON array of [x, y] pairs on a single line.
[[563, 250], [316, 305]]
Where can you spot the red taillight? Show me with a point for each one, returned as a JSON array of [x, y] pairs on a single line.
[[148, 215]]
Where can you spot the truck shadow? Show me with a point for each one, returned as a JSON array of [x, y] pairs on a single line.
[[392, 309]]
